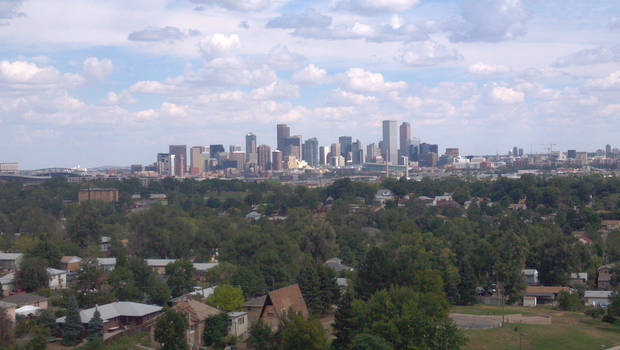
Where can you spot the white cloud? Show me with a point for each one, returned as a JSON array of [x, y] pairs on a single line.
[[600, 54], [358, 79], [122, 98], [173, 110], [373, 7], [218, 45], [612, 109], [275, 90], [281, 58], [157, 34], [237, 5], [426, 53], [9, 9], [612, 81], [230, 71], [309, 18], [96, 69], [506, 95], [310, 75], [486, 69], [614, 23], [344, 97], [21, 75], [489, 20], [151, 87]]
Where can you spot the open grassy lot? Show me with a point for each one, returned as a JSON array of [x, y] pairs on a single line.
[[568, 330]]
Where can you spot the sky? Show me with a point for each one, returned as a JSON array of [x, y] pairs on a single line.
[[91, 82]]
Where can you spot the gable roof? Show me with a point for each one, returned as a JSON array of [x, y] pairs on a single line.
[[24, 299], [287, 298], [545, 291], [70, 259], [117, 309], [196, 310], [10, 256], [256, 302], [598, 294], [54, 272], [159, 262], [106, 261]]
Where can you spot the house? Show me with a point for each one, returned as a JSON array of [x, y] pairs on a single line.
[[27, 299], [254, 307], [342, 283], [105, 243], [202, 268], [120, 315], [578, 279], [518, 206], [9, 308], [337, 265], [610, 225], [57, 278], [544, 295], [530, 276], [438, 200], [238, 324], [254, 215], [597, 298], [605, 273], [10, 261], [8, 283], [159, 265], [384, 195], [197, 313], [71, 263], [106, 264], [280, 302]]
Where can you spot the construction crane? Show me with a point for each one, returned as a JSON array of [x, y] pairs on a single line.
[[550, 148]]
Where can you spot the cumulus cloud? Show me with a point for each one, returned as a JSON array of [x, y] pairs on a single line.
[[612, 109], [486, 69], [614, 23], [612, 81], [157, 34], [96, 69], [9, 9], [360, 80], [343, 97], [281, 58], [237, 5], [506, 95], [489, 20], [122, 98], [151, 87], [21, 75], [373, 7], [426, 53], [276, 90], [230, 71], [600, 54], [218, 45], [310, 75], [309, 18]]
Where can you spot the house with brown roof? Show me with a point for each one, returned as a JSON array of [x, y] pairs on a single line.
[[605, 273], [197, 314], [254, 307], [280, 302], [543, 295], [71, 263]]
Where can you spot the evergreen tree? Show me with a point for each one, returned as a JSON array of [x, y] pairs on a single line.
[[374, 274], [216, 329], [261, 337], [72, 331], [343, 323], [170, 330], [47, 320], [95, 326], [310, 286]]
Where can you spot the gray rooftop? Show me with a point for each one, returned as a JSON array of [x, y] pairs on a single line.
[[24, 299], [204, 266], [117, 309], [10, 256], [160, 262], [597, 293], [106, 261]]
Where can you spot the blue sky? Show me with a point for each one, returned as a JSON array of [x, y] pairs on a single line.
[[113, 82]]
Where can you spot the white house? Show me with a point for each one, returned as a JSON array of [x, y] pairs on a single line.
[[57, 278], [8, 283], [238, 324], [106, 264], [597, 297], [530, 276], [383, 195]]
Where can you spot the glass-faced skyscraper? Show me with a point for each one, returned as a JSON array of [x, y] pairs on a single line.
[[390, 141]]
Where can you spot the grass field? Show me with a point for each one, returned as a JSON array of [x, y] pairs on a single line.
[[568, 330]]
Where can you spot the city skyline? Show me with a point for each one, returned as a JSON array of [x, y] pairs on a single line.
[[80, 86]]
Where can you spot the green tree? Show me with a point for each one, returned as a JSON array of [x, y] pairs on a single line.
[[180, 277], [365, 341], [47, 320], [375, 273], [6, 328], [72, 331], [32, 274], [39, 341], [157, 292], [297, 333], [261, 337], [95, 326], [216, 330], [343, 323], [170, 330], [227, 298], [569, 301]]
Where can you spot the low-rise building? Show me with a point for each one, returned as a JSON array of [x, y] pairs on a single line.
[[106, 264], [336, 265], [71, 263], [384, 195], [159, 265], [577, 279], [27, 299], [57, 278], [597, 298], [530, 276], [544, 295], [108, 195], [197, 314], [238, 324], [279, 302], [7, 282], [10, 261], [605, 273]]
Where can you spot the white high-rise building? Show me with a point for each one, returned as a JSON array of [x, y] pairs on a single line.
[[390, 141]]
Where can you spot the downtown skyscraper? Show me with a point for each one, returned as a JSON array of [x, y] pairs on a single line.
[[390, 136]]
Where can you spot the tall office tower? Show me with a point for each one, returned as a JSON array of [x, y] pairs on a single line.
[[276, 161], [345, 145], [264, 157], [515, 151], [165, 164], [180, 159], [390, 135], [291, 146], [283, 132], [250, 148], [607, 151], [434, 148], [357, 152], [311, 152], [323, 155], [371, 153], [424, 148], [520, 152], [571, 154], [215, 150], [196, 161], [335, 150], [234, 148], [405, 139]]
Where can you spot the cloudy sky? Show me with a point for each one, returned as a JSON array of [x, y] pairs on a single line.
[[113, 82]]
